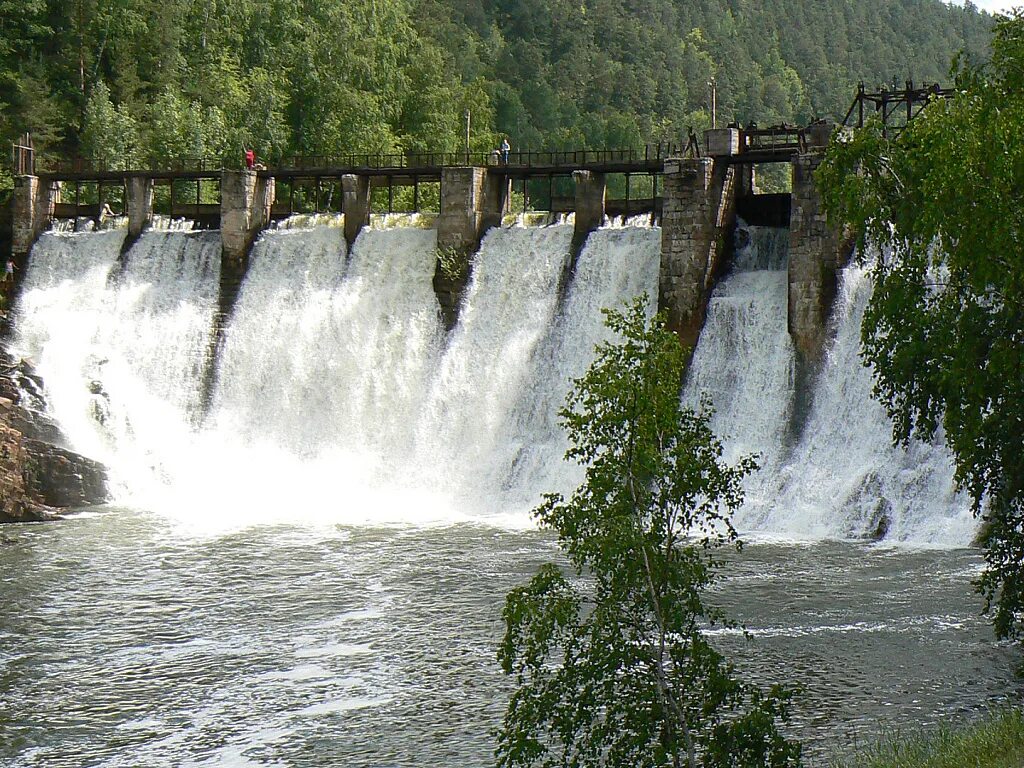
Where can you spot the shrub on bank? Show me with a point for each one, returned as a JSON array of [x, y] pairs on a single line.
[[996, 742]]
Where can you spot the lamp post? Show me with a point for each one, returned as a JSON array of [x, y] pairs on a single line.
[[714, 102]]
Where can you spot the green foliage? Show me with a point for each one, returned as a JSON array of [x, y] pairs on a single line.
[[945, 327], [454, 265], [995, 742], [612, 665], [109, 134], [398, 75]]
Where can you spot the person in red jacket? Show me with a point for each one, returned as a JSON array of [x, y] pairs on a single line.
[[250, 159]]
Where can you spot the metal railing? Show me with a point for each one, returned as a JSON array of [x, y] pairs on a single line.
[[777, 138], [544, 158], [411, 161], [80, 165], [895, 106], [23, 156]]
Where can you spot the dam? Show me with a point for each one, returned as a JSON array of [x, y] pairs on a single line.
[[323, 487], [701, 190]]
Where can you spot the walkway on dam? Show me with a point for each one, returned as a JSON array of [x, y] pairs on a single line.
[[750, 145]]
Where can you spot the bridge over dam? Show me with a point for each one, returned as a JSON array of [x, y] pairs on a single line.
[[694, 192]]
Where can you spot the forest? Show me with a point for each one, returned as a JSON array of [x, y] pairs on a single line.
[[147, 82]]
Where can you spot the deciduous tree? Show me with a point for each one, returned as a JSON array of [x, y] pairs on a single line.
[[940, 206], [612, 662]]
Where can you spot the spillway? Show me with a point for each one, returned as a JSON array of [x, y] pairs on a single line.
[[831, 472], [280, 582], [123, 343], [336, 396]]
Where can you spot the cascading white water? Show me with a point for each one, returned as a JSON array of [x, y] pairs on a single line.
[[616, 265], [325, 364], [507, 311], [744, 361], [335, 397], [845, 478], [842, 478], [123, 350]]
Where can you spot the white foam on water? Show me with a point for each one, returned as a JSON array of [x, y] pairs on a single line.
[[337, 397], [122, 350], [845, 478], [744, 361], [840, 477], [507, 312], [616, 265]]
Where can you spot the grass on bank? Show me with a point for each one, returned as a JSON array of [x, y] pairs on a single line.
[[995, 742]]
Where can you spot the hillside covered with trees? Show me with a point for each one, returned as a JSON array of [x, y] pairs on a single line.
[[141, 81]]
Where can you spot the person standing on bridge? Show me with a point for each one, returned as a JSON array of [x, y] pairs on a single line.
[[505, 149], [250, 159]]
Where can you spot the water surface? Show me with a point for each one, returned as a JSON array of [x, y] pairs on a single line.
[[126, 641]]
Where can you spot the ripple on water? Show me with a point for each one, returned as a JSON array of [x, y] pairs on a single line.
[[131, 647]]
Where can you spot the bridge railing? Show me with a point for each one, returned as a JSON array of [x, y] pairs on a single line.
[[80, 165], [784, 138], [544, 158], [523, 158]]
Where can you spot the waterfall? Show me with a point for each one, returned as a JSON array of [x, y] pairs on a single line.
[[744, 361], [122, 348], [840, 477], [845, 478], [615, 266], [325, 367], [336, 395], [508, 309]]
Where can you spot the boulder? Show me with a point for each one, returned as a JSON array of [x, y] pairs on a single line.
[[39, 475]]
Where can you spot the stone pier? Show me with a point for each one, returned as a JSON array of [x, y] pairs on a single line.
[[697, 220], [32, 203], [245, 203], [471, 202], [355, 204], [138, 205], [817, 251], [591, 191]]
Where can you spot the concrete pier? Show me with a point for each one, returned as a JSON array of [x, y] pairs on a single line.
[[816, 254], [591, 191], [471, 203], [138, 205], [245, 203], [697, 218], [355, 203]]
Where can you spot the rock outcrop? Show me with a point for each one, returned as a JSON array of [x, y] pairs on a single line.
[[39, 475]]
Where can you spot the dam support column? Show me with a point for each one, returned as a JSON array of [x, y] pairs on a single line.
[[245, 202], [746, 180], [355, 204], [591, 190], [32, 206], [139, 205], [471, 201], [697, 218], [817, 251]]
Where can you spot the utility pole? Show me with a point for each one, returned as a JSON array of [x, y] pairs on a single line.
[[714, 102], [468, 119]]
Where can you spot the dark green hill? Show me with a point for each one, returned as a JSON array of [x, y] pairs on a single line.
[[141, 80], [613, 73]]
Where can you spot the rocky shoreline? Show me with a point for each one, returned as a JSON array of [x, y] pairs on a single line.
[[40, 477]]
